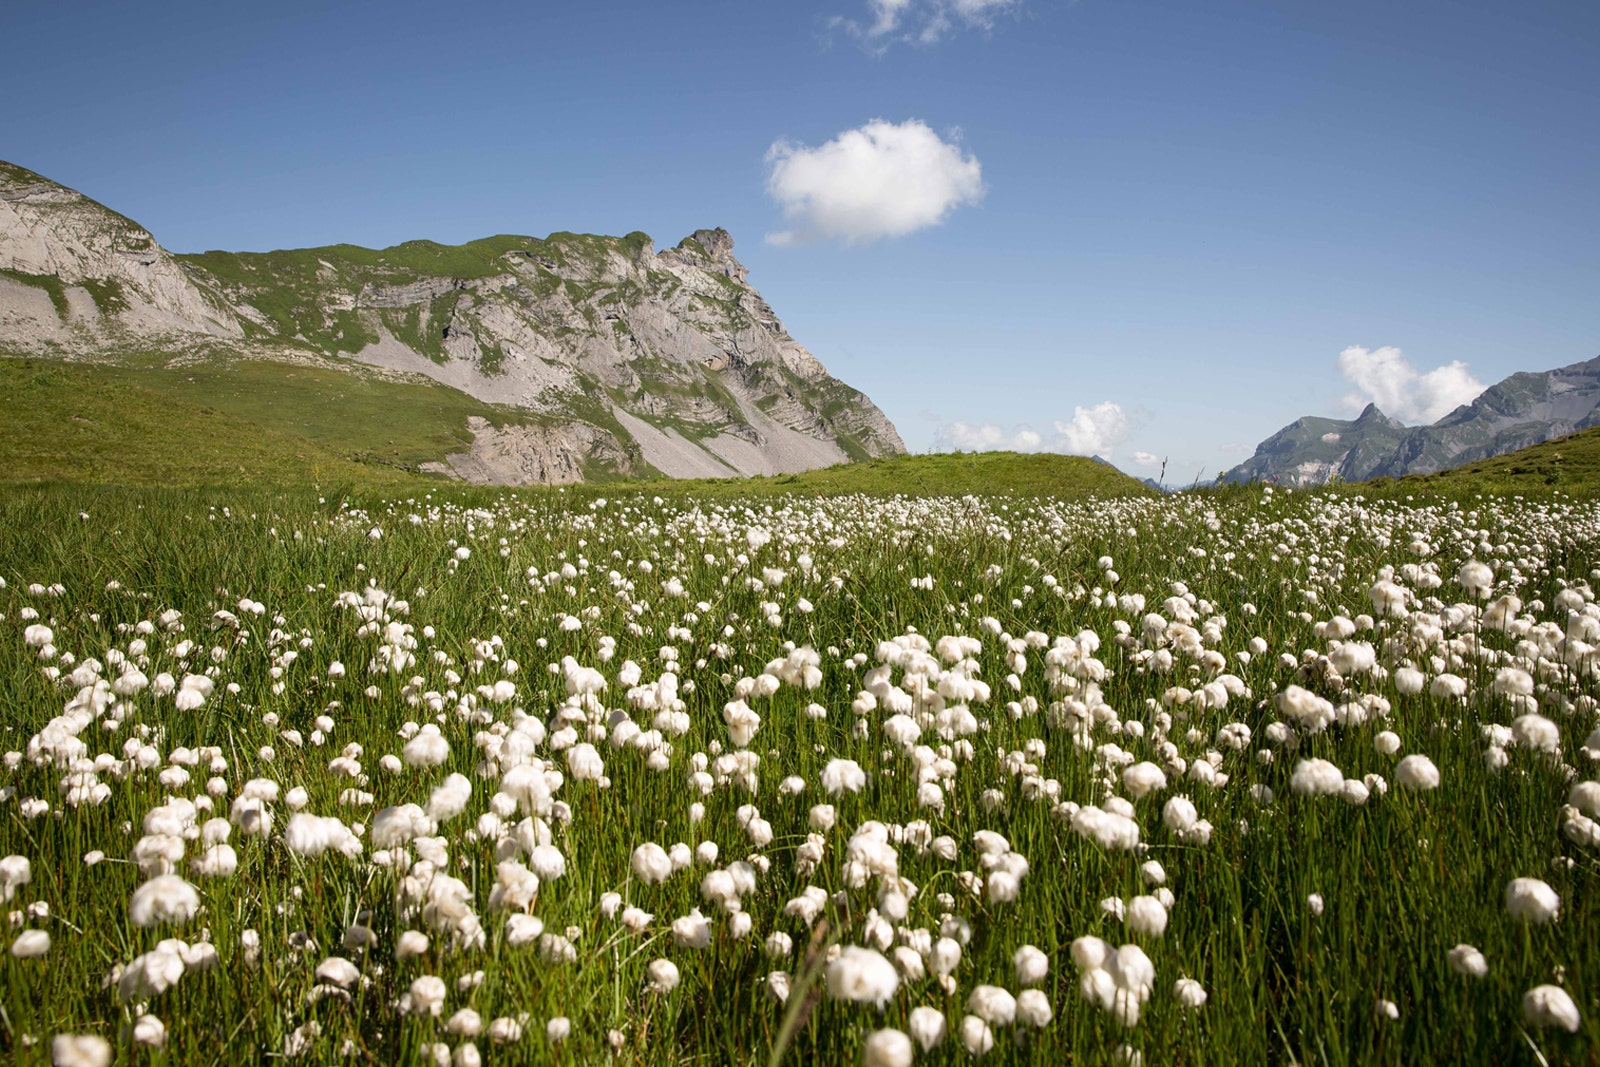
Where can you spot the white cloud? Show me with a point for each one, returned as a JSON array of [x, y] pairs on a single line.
[[881, 180], [919, 22], [1092, 431], [965, 437], [1384, 376], [1147, 459]]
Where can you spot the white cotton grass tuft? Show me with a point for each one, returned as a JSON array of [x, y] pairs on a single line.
[[80, 1050], [664, 976], [15, 872], [651, 864], [1551, 1007], [1142, 779], [863, 975], [887, 1048], [1146, 915], [31, 945], [1316, 777], [409, 944], [1030, 965], [338, 971], [1416, 773], [843, 776], [149, 1032], [1189, 993], [1033, 1009], [1536, 732], [1531, 900], [1117, 980], [976, 1037], [165, 899], [992, 1004], [928, 1027], [426, 996], [427, 749], [1468, 962]]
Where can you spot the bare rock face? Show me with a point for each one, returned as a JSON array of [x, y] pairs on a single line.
[[530, 455], [607, 355], [112, 278]]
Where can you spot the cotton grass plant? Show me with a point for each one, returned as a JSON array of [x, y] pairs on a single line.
[[559, 778]]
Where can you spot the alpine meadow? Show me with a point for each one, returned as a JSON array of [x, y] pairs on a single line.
[[847, 533]]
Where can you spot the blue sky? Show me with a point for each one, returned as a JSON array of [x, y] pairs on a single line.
[[1185, 211]]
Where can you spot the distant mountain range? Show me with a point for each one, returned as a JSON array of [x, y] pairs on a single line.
[[601, 356], [1524, 409]]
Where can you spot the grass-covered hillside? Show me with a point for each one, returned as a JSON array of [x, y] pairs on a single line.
[[1570, 464], [942, 474], [64, 422], [262, 422]]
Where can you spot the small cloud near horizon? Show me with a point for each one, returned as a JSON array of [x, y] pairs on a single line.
[[1147, 459], [1092, 431], [882, 179]]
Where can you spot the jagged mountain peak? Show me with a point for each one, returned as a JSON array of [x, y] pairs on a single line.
[[1523, 409]]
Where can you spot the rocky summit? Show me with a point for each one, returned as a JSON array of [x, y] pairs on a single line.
[[602, 355], [1524, 409]]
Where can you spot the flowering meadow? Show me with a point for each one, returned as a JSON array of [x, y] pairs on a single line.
[[556, 778]]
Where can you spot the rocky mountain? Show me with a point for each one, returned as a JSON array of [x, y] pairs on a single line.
[[603, 355], [1522, 410]]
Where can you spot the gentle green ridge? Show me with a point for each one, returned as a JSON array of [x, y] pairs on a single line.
[[937, 474], [1570, 464]]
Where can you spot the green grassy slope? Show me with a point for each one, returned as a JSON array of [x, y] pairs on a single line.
[[66, 422], [944, 474], [370, 419], [277, 424], [1570, 464]]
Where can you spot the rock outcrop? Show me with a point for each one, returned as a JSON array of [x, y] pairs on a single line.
[[1522, 410], [74, 273], [608, 356]]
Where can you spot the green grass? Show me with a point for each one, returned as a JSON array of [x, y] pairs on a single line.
[[146, 422], [396, 423], [1569, 464], [1404, 877], [264, 423], [940, 474], [68, 422]]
